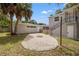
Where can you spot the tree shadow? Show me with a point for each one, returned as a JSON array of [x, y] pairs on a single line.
[[76, 53], [11, 39]]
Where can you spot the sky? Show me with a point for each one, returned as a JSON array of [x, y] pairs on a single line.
[[41, 11]]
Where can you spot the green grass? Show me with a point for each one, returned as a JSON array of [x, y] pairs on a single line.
[[11, 45]]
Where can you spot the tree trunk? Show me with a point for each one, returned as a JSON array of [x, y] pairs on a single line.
[[11, 24], [26, 19], [16, 25]]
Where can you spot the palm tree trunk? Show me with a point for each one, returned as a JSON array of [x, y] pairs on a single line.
[[26, 19], [11, 25], [16, 25]]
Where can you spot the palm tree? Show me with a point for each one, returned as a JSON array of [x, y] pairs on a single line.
[[28, 8], [19, 9], [18, 12], [9, 8], [24, 10]]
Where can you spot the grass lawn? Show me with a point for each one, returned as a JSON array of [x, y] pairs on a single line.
[[11, 45]]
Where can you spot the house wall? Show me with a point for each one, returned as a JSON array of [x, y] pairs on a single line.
[[65, 22], [74, 30], [28, 28], [22, 28], [56, 32]]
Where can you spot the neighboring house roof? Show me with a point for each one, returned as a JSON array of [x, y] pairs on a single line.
[[29, 24]]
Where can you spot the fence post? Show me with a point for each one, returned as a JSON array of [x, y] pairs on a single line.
[[61, 31]]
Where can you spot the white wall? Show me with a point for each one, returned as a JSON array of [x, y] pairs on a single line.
[[22, 28], [70, 30], [56, 32]]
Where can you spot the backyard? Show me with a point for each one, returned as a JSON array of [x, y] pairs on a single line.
[[11, 45]]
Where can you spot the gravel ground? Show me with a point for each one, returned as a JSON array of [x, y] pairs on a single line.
[[39, 42]]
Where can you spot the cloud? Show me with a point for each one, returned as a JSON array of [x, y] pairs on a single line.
[[65, 4], [46, 11], [49, 10]]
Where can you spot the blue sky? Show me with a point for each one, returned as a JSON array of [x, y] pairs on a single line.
[[41, 11]]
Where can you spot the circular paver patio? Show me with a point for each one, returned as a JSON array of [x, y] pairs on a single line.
[[39, 42]]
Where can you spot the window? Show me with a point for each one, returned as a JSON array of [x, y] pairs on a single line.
[[46, 28], [56, 19], [31, 26], [66, 16], [76, 18]]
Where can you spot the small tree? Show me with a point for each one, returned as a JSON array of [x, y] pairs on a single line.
[[58, 11]]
